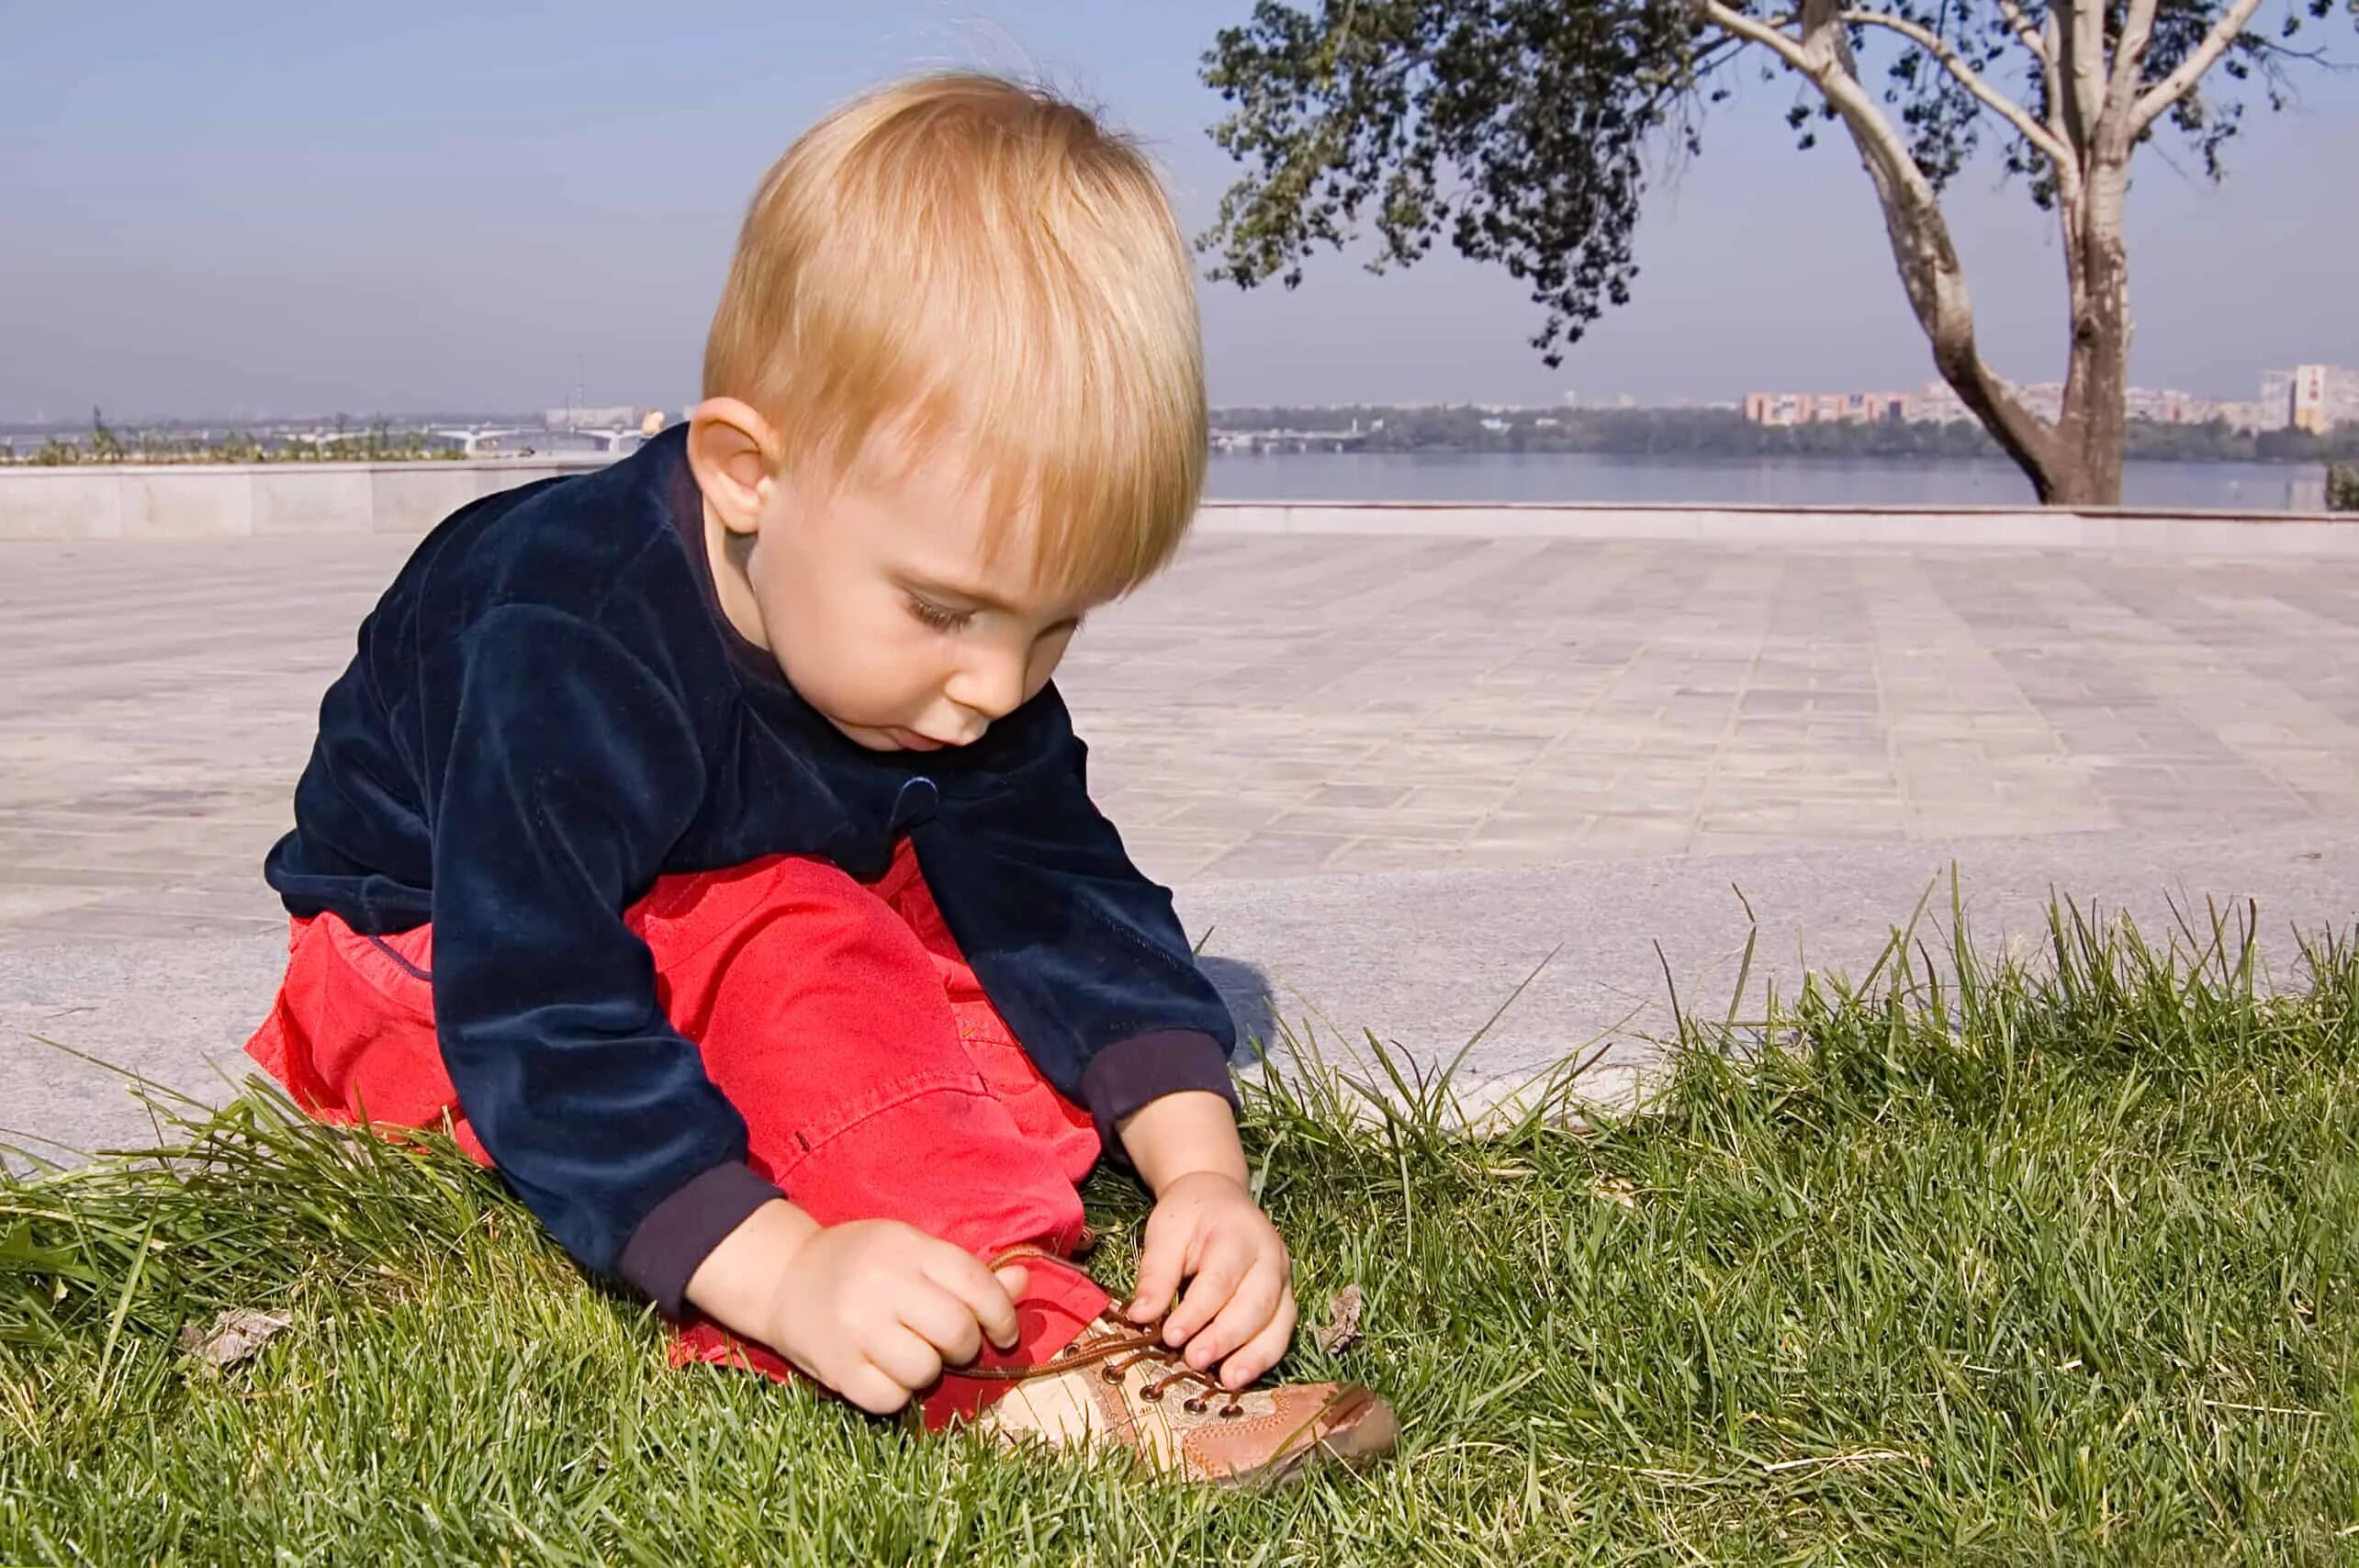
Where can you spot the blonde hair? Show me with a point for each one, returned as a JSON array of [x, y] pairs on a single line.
[[974, 260]]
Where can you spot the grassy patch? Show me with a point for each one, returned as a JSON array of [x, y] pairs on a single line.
[[2001, 1262]]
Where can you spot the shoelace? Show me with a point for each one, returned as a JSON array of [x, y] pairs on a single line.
[[1128, 1347]]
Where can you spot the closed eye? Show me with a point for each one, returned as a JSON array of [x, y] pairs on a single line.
[[940, 617]]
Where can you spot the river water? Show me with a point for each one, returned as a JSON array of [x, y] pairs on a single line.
[[1588, 476]]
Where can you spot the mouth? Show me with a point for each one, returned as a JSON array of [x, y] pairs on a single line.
[[910, 740]]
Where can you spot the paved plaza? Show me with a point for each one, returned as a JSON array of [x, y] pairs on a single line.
[[1279, 706], [1390, 775]]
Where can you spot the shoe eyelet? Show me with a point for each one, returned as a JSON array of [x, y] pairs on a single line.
[[1232, 1410], [1151, 1393], [1196, 1406], [1111, 1373]]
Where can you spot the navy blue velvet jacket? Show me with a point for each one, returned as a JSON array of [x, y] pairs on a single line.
[[548, 710]]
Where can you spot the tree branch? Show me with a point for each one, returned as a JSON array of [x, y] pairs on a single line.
[[2129, 52], [2084, 63], [2013, 11], [2202, 58], [1819, 60], [2060, 118], [1921, 245], [1775, 39], [1998, 103]]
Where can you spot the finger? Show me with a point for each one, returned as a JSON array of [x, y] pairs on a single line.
[[1161, 1262], [901, 1355], [943, 1321], [990, 1298], [1015, 1278], [1215, 1281], [868, 1386], [1264, 1350], [1249, 1308]]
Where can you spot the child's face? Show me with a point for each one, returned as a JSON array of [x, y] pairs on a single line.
[[881, 605]]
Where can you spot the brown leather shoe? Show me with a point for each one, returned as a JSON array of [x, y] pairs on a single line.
[[1120, 1384]]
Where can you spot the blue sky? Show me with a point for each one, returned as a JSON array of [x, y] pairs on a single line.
[[289, 209]]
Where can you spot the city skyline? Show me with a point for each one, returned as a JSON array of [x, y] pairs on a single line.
[[2173, 405], [431, 209]]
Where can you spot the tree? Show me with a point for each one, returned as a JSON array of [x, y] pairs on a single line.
[[1520, 129], [106, 447], [2342, 488]]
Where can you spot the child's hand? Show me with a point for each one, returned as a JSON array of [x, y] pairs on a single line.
[[1239, 1304], [875, 1309]]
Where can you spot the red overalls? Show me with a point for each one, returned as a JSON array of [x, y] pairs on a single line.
[[875, 1078]]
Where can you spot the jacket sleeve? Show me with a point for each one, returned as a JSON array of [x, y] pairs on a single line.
[[1082, 954], [569, 770]]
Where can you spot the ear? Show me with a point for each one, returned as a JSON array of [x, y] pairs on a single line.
[[731, 450]]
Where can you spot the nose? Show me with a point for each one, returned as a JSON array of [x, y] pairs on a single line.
[[991, 683]]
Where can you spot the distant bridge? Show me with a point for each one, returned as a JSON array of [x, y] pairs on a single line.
[[490, 441]]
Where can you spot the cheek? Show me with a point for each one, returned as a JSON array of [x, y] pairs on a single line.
[[902, 658], [1045, 659], [861, 649], [812, 624]]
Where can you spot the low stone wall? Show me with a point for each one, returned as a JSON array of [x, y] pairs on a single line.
[[2109, 531], [215, 501], [237, 500]]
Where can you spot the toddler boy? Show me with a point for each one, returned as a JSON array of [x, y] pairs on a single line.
[[702, 840]]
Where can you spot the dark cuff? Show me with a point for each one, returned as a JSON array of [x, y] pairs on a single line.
[[1127, 1073], [680, 1232]]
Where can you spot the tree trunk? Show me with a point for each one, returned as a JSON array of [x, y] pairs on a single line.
[[2091, 130], [1936, 285], [2095, 419], [1919, 235]]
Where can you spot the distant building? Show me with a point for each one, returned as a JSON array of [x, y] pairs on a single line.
[[1937, 404], [2045, 398], [2314, 398], [2322, 397], [1780, 409], [2170, 407], [2276, 399]]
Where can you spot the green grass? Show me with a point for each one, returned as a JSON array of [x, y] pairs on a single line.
[[1990, 1261]]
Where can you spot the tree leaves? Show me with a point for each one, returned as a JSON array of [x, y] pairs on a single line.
[[1522, 131], [1517, 128]]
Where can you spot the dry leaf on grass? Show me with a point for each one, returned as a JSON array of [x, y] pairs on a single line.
[[1343, 1325], [1616, 1189], [235, 1335]]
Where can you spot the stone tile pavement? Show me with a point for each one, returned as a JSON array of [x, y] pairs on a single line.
[[1280, 706]]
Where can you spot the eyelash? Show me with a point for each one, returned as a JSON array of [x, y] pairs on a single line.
[[943, 619], [935, 616]]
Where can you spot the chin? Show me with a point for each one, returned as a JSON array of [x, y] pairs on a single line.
[[873, 737], [886, 737]]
